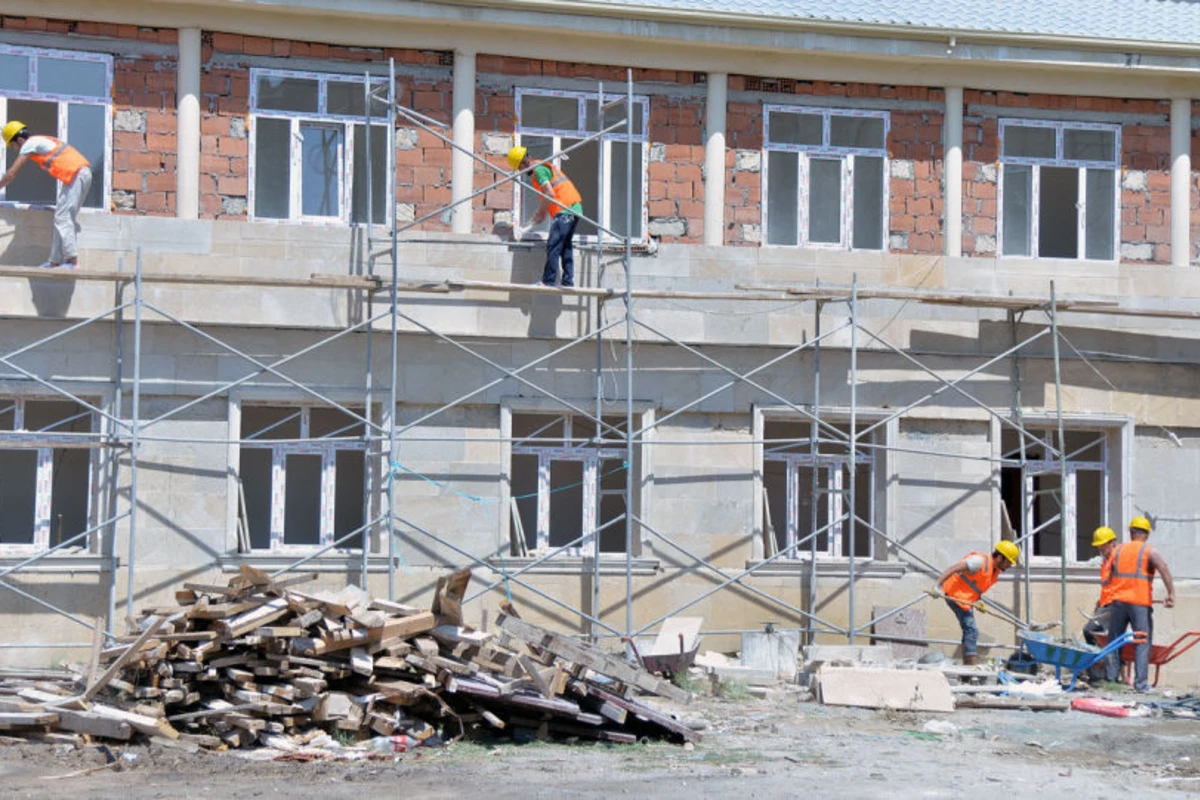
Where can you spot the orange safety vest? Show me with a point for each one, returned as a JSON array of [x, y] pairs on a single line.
[[63, 162], [1132, 575], [560, 188], [1106, 579], [966, 587]]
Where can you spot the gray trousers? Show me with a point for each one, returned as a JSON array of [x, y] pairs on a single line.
[[1121, 616], [1111, 662], [66, 217]]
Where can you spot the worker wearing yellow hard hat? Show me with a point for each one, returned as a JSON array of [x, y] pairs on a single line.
[[561, 202], [1104, 539], [1135, 564], [66, 165], [964, 583]]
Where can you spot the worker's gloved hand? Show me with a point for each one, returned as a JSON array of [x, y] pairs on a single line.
[[518, 233], [934, 591], [981, 608]]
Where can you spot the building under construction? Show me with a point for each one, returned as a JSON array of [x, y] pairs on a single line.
[[302, 338]]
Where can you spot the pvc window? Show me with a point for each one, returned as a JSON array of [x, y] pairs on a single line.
[[551, 121], [1059, 190], [64, 94], [47, 472], [825, 180], [301, 477], [1061, 517], [568, 483], [806, 491], [308, 144]]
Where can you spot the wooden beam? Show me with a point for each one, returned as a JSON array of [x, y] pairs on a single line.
[[114, 668]]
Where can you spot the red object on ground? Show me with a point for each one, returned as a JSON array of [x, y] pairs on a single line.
[[1105, 708], [1160, 654]]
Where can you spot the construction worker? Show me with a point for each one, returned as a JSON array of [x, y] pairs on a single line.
[[68, 166], [1135, 564], [964, 583], [564, 211], [1104, 539]]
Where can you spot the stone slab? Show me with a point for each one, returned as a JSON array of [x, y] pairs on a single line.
[[897, 689], [776, 651]]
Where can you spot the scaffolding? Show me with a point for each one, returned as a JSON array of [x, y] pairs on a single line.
[[386, 297]]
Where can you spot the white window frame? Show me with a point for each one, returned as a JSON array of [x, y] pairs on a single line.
[[327, 448], [320, 118], [1112, 434], [45, 443], [64, 101], [834, 484], [829, 152], [1060, 127], [607, 142]]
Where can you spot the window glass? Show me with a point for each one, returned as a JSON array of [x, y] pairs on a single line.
[[783, 197], [71, 77], [524, 491], [68, 493], [856, 132], [379, 175], [278, 93], [566, 502], [581, 166], [789, 128], [18, 492], [56, 416], [333, 422], [1018, 210], [1058, 213], [254, 473], [1029, 142], [302, 504], [14, 72], [345, 98], [8, 414], [612, 506], [85, 132], [615, 114], [540, 148], [1101, 223], [272, 182], [33, 185], [825, 200], [549, 112], [868, 203], [348, 501], [321, 169], [1089, 145], [617, 188], [270, 422]]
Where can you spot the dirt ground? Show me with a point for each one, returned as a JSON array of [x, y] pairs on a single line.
[[779, 747]]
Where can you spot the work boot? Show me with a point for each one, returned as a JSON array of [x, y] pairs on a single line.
[[970, 661]]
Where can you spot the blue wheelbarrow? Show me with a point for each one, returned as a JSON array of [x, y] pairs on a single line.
[[1060, 655]]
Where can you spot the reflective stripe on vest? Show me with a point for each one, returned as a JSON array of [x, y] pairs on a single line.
[[63, 162], [1106, 578], [1132, 577], [966, 588], [560, 188]]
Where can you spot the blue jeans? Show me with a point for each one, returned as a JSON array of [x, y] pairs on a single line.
[[966, 621], [1120, 616], [558, 246]]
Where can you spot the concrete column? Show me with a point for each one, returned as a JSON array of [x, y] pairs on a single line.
[[1181, 178], [714, 159], [953, 133], [187, 126], [462, 166]]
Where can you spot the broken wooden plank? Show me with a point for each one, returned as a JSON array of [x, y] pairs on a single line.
[[15, 720], [639, 710], [580, 653], [256, 618], [143, 724], [114, 668], [346, 639], [94, 724]]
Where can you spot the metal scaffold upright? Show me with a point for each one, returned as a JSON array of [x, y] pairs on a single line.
[[126, 430]]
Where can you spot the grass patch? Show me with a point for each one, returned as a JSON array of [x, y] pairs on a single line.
[[686, 682], [733, 690]]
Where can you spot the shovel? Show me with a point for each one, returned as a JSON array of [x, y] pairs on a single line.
[[1001, 612]]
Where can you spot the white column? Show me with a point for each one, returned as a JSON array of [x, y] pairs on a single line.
[[1181, 176], [714, 159], [462, 166], [187, 126], [952, 129]]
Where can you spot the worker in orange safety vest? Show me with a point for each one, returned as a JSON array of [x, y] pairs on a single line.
[[1104, 539], [1134, 566], [564, 211], [65, 164], [964, 583]]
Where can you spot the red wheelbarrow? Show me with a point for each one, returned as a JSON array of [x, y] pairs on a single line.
[[1160, 654]]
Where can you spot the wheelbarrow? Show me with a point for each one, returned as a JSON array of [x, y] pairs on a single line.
[[1160, 654], [1062, 655]]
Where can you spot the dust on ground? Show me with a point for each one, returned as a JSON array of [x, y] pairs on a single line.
[[780, 747]]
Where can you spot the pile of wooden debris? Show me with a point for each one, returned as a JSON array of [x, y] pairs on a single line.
[[260, 662]]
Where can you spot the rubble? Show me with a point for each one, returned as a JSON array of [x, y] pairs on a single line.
[[261, 663]]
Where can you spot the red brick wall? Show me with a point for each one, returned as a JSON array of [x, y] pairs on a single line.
[[1145, 179], [916, 184]]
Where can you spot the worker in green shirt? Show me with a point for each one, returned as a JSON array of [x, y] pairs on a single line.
[[564, 210]]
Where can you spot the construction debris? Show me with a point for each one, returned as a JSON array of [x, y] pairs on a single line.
[[258, 662]]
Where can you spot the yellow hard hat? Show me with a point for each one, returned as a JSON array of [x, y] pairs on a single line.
[[1140, 523], [1102, 536], [1009, 551], [515, 156], [11, 130]]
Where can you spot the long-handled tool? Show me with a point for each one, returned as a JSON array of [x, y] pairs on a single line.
[[998, 611]]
